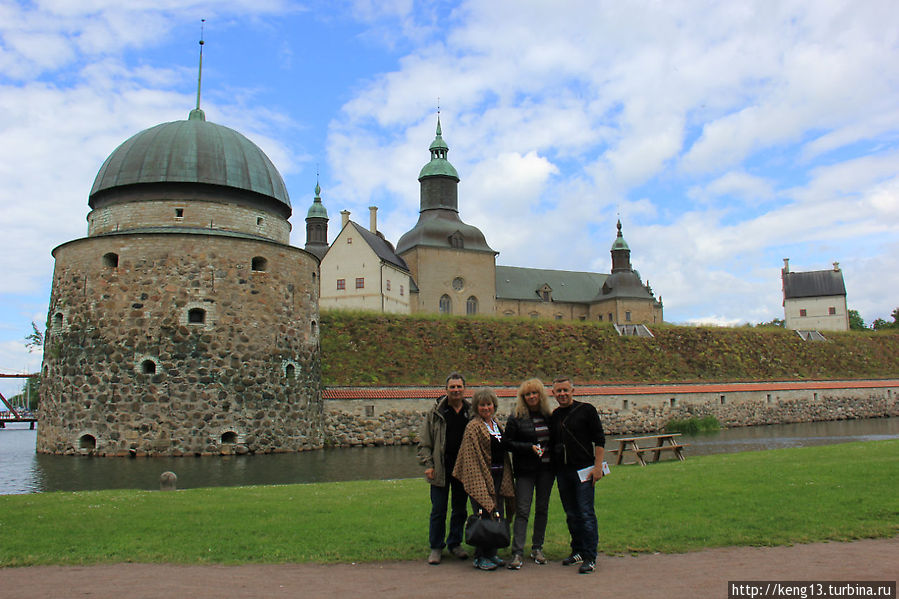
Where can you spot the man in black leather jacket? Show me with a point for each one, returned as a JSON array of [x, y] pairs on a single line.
[[578, 449]]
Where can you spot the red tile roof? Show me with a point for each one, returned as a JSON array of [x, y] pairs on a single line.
[[618, 389]]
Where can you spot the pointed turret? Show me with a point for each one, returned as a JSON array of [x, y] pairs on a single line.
[[439, 224], [317, 225], [621, 253]]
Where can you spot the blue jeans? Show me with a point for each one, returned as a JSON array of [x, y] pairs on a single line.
[[440, 498], [577, 501]]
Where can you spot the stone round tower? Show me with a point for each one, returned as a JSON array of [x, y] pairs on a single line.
[[184, 323]]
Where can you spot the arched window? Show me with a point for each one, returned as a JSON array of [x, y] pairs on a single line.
[[457, 241], [290, 371], [229, 438], [111, 260], [259, 264], [148, 367], [471, 305], [57, 321], [87, 442], [446, 304], [196, 316]]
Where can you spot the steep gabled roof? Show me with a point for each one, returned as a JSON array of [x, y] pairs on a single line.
[[516, 283], [381, 247], [816, 283]]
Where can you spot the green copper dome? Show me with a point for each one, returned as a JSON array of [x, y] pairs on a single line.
[[317, 209], [192, 151], [619, 243], [439, 165]]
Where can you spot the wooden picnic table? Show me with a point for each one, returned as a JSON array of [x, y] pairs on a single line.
[[654, 443]]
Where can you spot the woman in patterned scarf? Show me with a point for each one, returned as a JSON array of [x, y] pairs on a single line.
[[484, 468]]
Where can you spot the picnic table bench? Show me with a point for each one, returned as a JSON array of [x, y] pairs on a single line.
[[654, 443]]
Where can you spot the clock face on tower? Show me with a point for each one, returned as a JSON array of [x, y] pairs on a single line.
[[458, 283]]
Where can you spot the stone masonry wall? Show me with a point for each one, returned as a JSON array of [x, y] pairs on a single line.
[[397, 421], [203, 215], [127, 372]]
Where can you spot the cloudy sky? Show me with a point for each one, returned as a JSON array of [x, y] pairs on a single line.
[[726, 135]]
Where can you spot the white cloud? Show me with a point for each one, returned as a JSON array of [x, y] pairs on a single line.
[[739, 185]]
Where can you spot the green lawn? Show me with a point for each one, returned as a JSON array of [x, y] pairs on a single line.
[[837, 492]]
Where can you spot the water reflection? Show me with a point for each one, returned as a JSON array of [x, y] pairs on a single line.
[[23, 471], [804, 434]]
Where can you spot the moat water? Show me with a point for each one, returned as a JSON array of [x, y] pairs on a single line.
[[24, 471]]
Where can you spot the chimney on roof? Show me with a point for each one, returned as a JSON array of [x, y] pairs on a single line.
[[786, 268], [373, 219], [836, 266], [344, 218]]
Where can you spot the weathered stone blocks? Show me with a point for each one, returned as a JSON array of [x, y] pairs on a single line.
[[218, 377]]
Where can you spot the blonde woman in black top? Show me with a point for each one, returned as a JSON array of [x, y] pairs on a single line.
[[527, 438]]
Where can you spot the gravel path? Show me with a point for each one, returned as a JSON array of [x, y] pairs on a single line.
[[701, 574]]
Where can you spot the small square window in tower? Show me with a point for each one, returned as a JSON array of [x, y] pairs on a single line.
[[259, 264]]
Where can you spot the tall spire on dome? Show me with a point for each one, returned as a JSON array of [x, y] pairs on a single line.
[[438, 148], [439, 165], [197, 113]]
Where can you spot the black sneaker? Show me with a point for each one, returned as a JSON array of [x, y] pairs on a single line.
[[587, 567], [574, 558]]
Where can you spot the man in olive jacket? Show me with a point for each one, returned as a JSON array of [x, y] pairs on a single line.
[[438, 445]]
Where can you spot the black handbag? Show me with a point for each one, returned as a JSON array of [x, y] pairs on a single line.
[[487, 530]]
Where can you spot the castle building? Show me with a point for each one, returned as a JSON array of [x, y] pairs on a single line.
[[619, 298], [453, 270], [184, 323], [814, 300], [361, 271]]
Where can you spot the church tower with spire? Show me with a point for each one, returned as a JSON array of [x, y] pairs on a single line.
[[451, 264]]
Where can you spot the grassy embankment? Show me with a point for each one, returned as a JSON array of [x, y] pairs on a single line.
[[838, 492], [361, 348]]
